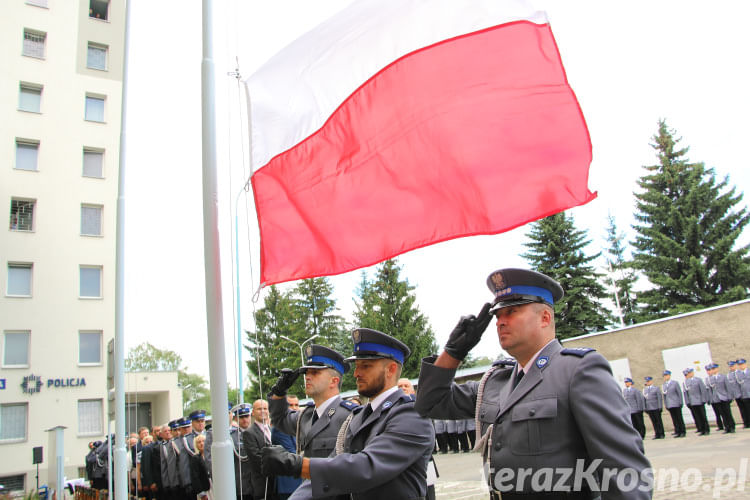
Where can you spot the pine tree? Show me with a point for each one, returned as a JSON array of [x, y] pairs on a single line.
[[556, 249], [621, 273], [687, 229], [387, 304]]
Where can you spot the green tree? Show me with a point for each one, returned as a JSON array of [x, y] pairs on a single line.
[[556, 248], [148, 358], [621, 272], [688, 224], [387, 304]]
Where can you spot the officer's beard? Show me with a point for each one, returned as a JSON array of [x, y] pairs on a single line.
[[375, 388]]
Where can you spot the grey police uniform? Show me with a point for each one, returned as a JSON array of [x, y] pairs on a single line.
[[243, 483], [735, 392], [170, 478], [743, 380], [565, 409], [637, 404], [696, 395], [654, 404], [720, 399], [673, 402]]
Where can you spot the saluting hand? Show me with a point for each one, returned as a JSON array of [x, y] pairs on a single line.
[[287, 377], [276, 461], [467, 333]]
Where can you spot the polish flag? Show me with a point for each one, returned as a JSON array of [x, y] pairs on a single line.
[[397, 124]]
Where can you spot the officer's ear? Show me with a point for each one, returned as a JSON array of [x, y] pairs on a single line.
[[546, 315]]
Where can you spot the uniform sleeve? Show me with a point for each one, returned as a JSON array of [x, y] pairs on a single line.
[[679, 395], [660, 398], [603, 419], [641, 400], [439, 397], [405, 439], [281, 417]]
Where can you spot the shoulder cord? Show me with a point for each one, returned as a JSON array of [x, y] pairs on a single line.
[[237, 453], [174, 447], [484, 442], [187, 447], [341, 436], [299, 421]]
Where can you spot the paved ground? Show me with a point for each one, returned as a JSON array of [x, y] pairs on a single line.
[[702, 467]]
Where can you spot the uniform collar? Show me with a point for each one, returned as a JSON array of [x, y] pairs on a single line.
[[533, 358], [322, 408], [377, 401]]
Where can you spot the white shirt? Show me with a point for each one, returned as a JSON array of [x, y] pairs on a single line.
[[324, 405], [533, 358], [378, 400]]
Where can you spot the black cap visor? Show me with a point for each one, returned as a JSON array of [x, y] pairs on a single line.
[[514, 300]]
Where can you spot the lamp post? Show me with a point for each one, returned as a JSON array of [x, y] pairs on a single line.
[[301, 352]]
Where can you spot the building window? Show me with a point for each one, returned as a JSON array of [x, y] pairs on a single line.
[[13, 421], [90, 416], [91, 220], [91, 282], [96, 57], [93, 162], [16, 349], [19, 280], [33, 43], [27, 152], [16, 483], [94, 108], [99, 9], [30, 97], [90, 348], [21, 214]]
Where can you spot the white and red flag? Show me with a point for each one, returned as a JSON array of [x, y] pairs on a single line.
[[397, 124]]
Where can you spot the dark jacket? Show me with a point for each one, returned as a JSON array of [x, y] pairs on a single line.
[[199, 474], [253, 441]]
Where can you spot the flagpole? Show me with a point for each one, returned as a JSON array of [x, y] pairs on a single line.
[[120, 453], [221, 450]]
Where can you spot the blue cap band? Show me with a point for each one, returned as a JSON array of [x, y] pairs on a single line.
[[543, 293], [327, 361], [380, 348]]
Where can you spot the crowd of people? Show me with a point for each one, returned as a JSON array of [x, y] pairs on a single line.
[[719, 391]]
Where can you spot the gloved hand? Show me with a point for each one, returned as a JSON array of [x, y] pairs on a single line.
[[467, 333], [276, 461], [284, 382]]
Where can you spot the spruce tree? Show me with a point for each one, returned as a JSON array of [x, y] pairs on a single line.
[[387, 304], [556, 249], [687, 228], [621, 273]]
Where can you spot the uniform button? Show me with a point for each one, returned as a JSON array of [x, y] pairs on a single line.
[[532, 412], [498, 446], [325, 487], [482, 414]]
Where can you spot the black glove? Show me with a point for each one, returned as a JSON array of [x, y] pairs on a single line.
[[189, 492], [284, 382], [276, 461], [467, 333]]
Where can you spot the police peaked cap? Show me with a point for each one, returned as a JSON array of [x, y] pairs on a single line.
[[318, 356], [372, 344], [513, 287], [197, 414], [242, 409]]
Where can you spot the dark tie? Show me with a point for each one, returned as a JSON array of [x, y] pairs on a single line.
[[315, 417], [366, 412], [518, 378]]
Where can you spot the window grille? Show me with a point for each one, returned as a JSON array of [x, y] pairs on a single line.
[[14, 483], [33, 43], [21, 215]]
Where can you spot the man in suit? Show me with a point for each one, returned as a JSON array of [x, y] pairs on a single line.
[[382, 451], [696, 396], [673, 402], [654, 404], [637, 404], [315, 427], [552, 409], [254, 439]]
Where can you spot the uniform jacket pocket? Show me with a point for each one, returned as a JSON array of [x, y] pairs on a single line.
[[532, 428]]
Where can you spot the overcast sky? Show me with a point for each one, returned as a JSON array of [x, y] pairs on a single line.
[[630, 64]]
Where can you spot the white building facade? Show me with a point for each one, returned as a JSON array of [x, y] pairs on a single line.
[[60, 95]]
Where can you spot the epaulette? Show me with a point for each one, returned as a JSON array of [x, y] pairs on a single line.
[[505, 363], [577, 351], [349, 405], [309, 403]]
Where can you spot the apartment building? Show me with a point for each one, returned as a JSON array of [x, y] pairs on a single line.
[[60, 95]]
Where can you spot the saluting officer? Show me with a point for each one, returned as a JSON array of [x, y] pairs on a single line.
[[554, 410], [317, 424], [696, 395], [637, 404], [654, 405], [673, 402], [242, 473], [383, 449]]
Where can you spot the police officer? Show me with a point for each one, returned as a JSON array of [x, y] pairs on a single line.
[[441, 434], [720, 397], [183, 490], [673, 402], [316, 426], [637, 404], [696, 395], [242, 473], [743, 378], [654, 405], [552, 410], [735, 392], [382, 451]]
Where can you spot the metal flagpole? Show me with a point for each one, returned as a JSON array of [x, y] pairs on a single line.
[[221, 449], [120, 453]]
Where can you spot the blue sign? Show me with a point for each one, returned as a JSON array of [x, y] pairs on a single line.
[[2, 383]]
